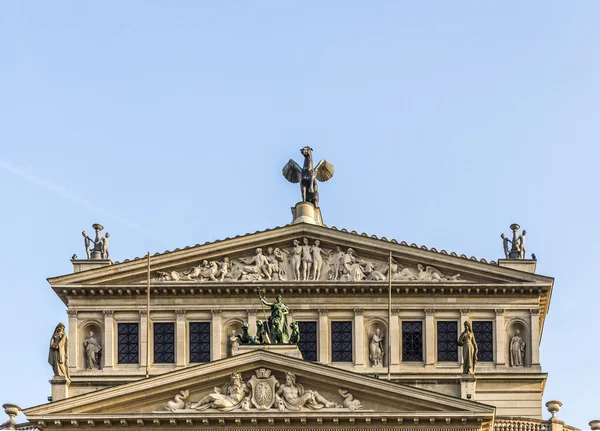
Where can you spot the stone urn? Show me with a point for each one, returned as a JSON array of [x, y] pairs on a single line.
[[12, 410], [553, 407], [595, 425]]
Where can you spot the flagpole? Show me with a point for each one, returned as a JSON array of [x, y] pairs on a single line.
[[389, 338], [148, 318]]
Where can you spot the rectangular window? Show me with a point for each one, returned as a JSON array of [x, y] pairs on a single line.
[[341, 341], [128, 340], [484, 337], [199, 342], [447, 336], [164, 343], [412, 341], [308, 340]]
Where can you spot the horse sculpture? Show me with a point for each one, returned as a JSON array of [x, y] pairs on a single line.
[[307, 176]]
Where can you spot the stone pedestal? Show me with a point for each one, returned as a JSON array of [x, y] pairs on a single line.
[[306, 212], [525, 265], [467, 387], [85, 264], [60, 388], [283, 349]]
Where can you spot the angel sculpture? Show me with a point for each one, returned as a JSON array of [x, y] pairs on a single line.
[[307, 176]]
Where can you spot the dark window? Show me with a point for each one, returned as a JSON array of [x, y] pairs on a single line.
[[412, 341], [447, 336], [308, 340], [200, 342], [128, 343], [341, 341], [164, 343], [485, 340]]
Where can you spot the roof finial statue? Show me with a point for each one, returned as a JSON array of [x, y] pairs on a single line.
[[517, 250], [307, 176], [100, 248]]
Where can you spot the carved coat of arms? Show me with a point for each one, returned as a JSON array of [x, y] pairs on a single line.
[[263, 386]]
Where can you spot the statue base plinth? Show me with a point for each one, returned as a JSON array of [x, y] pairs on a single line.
[[525, 265], [283, 349], [60, 388], [467, 387], [85, 264], [306, 212]]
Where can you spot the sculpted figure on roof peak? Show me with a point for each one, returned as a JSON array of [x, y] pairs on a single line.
[[307, 176]]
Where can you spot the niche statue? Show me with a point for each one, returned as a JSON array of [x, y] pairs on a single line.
[[517, 350], [92, 352], [376, 350]]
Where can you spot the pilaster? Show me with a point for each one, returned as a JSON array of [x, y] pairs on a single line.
[[215, 334], [180, 338], [323, 336], [500, 337], [394, 334], [144, 349], [109, 340], [359, 337], [535, 336], [73, 342], [251, 319], [429, 337]]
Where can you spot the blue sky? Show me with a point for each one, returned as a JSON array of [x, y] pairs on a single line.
[[169, 123]]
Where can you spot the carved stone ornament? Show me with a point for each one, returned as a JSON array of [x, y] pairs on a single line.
[[305, 260], [263, 386], [262, 392], [517, 248]]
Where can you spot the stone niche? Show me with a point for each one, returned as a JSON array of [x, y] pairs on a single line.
[[84, 333], [233, 324], [371, 327], [521, 326]]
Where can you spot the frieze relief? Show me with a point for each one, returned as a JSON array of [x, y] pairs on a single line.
[[262, 392], [304, 261]]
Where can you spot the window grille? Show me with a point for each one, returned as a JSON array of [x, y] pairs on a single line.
[[341, 341], [412, 341], [164, 343], [308, 340], [447, 337], [128, 341], [484, 338], [199, 342]]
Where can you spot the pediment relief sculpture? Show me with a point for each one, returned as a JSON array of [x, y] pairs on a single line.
[[261, 392], [304, 261]]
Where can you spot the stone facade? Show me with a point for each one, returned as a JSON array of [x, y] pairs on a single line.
[[380, 323]]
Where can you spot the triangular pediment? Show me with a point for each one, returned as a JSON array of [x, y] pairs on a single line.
[[318, 391], [343, 257]]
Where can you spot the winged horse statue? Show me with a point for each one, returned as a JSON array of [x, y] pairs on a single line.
[[307, 176]]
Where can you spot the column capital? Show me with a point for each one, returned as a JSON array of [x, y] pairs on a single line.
[[108, 313], [500, 311], [535, 311], [180, 312], [71, 313], [251, 311], [429, 311], [465, 311], [395, 311], [359, 311], [143, 312], [216, 311], [323, 311]]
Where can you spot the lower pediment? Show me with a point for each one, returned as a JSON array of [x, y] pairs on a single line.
[[259, 387]]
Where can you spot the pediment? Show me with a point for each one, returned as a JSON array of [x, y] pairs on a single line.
[[258, 384], [339, 257]]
